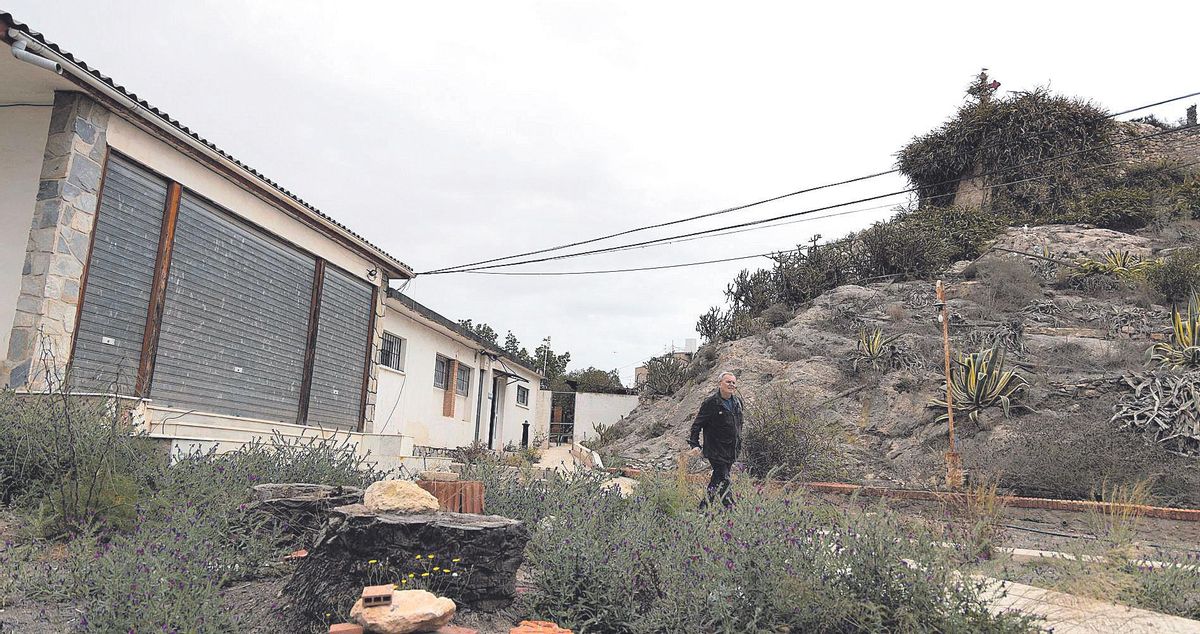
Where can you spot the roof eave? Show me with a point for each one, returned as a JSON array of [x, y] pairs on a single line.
[[127, 105]]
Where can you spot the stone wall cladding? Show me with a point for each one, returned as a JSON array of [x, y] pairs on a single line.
[[376, 344], [1181, 146], [59, 239]]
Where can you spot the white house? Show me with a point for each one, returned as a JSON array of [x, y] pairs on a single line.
[[142, 260], [445, 387]]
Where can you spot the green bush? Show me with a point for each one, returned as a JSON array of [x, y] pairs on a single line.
[[148, 544], [777, 315], [1121, 209], [73, 460], [1008, 137], [665, 375], [724, 325], [1154, 175], [801, 275], [786, 434], [1178, 276], [771, 563], [963, 232], [1185, 199]]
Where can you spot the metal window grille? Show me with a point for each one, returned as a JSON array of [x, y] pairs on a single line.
[[463, 382], [440, 368], [522, 395], [392, 352]]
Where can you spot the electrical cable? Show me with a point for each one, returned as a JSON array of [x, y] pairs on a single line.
[[761, 255], [811, 211], [26, 105], [745, 206]]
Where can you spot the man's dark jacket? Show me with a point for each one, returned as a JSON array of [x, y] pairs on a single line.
[[722, 429]]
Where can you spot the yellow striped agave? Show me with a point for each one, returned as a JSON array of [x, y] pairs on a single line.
[[979, 381], [874, 348], [1183, 351]]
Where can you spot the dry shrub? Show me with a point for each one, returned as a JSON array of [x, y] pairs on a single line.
[[896, 312], [786, 431], [1008, 284], [788, 352], [1065, 455], [977, 515]]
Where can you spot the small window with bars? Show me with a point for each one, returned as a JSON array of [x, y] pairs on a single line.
[[522, 396], [462, 384], [391, 354]]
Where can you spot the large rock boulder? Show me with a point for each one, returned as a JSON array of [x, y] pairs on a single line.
[[399, 496], [410, 611], [472, 559], [299, 509], [1068, 242]]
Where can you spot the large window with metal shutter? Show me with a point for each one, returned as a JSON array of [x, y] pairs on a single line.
[[116, 297], [343, 334], [235, 320]]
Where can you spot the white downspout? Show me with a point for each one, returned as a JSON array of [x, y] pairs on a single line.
[[19, 51]]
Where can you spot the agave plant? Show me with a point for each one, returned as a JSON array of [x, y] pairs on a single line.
[[874, 348], [1121, 264], [1183, 351], [979, 381]]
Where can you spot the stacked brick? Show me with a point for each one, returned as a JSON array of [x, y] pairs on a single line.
[[457, 497]]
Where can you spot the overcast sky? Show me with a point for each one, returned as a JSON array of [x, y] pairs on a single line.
[[452, 132]]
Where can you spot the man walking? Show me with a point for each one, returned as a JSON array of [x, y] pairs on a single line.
[[720, 418]]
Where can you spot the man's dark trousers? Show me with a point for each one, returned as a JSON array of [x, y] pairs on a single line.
[[719, 484]]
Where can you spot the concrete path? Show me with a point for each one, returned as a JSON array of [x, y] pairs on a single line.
[[1070, 614], [557, 457]]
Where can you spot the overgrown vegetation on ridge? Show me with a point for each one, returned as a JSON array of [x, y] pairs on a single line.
[[1005, 145]]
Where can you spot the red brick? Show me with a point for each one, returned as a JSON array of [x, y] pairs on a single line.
[[375, 596], [345, 628], [538, 627], [465, 496]]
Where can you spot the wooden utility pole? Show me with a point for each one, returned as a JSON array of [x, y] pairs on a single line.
[[954, 475]]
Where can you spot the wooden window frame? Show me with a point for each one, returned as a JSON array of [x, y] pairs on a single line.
[[522, 390]]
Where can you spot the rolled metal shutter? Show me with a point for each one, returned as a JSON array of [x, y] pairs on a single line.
[[341, 352], [112, 319], [235, 321]]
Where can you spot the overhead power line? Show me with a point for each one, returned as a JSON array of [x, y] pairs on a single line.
[[740, 207], [807, 211], [757, 255]]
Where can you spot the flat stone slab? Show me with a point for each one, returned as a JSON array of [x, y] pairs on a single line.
[[1071, 614], [472, 559]]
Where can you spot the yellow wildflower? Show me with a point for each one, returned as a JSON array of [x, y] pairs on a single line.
[[456, 559], [373, 562], [424, 574]]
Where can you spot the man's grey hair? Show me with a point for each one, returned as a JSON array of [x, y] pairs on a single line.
[[724, 374]]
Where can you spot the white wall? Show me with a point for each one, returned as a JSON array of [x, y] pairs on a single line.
[[515, 415], [166, 160], [592, 409], [409, 404], [22, 143]]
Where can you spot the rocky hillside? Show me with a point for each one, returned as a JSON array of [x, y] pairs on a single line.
[[1072, 339]]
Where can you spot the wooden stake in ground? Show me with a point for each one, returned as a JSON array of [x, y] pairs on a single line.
[[954, 475]]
